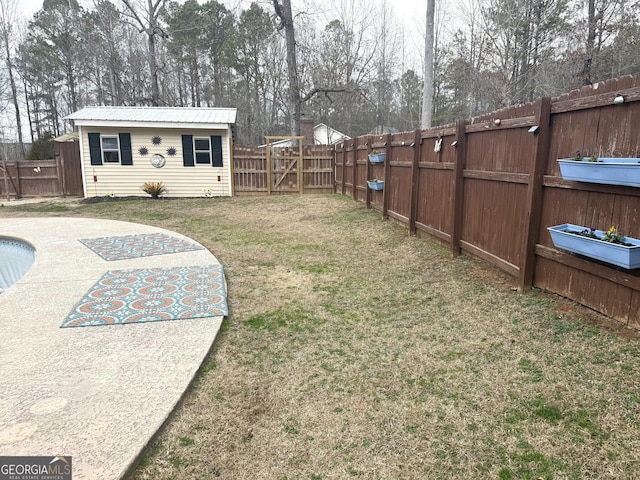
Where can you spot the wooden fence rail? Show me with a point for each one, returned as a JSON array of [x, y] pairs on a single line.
[[491, 186]]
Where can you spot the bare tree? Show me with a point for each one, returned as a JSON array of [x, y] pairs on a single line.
[[285, 22], [429, 52], [146, 17], [106, 37], [8, 19], [605, 23]]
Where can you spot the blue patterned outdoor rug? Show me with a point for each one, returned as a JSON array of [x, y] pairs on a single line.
[[154, 294], [134, 246]]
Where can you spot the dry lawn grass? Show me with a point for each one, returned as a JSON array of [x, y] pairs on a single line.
[[355, 350]]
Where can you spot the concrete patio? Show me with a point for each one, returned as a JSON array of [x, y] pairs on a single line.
[[97, 393]]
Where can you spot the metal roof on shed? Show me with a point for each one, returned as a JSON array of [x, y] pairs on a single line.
[[189, 115]]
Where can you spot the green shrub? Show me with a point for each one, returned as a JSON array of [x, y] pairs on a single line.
[[42, 148]]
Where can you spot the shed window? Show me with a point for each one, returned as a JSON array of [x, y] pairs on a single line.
[[110, 149], [202, 150]]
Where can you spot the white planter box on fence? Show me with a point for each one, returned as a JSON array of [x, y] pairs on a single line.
[[375, 184], [376, 157], [611, 171], [616, 254]]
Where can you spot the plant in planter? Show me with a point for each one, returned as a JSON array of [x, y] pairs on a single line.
[[578, 157], [376, 156], [611, 236], [606, 170], [608, 246], [155, 189]]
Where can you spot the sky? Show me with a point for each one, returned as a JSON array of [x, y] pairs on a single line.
[[410, 13]]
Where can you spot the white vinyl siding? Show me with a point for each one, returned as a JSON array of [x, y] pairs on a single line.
[[125, 181]]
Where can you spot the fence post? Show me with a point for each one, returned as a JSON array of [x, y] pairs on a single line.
[[368, 171], [269, 180], [415, 179], [18, 185], [387, 177], [458, 186], [301, 168], [354, 192], [535, 193], [334, 166], [344, 167], [60, 174]]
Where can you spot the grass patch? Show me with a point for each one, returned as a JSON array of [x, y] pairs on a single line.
[[43, 207], [422, 367], [293, 319], [186, 441]]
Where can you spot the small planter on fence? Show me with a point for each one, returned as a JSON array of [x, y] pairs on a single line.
[[375, 184], [376, 157], [612, 171], [588, 242]]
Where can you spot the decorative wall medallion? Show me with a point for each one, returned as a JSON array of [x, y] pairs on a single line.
[[143, 151], [158, 160], [171, 151], [156, 140]]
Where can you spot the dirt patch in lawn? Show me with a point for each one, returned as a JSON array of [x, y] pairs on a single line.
[[355, 350]]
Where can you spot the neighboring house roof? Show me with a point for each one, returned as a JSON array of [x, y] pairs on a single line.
[[67, 137], [167, 117], [322, 135], [325, 135]]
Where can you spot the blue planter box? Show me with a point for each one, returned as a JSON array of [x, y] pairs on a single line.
[[376, 157], [612, 171], [375, 184], [620, 255]]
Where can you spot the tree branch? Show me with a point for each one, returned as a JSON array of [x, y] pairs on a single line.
[[280, 14], [326, 91], [134, 14]]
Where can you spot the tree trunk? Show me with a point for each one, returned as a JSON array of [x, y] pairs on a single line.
[[283, 11], [427, 95], [591, 38], [26, 96], [14, 96], [71, 82], [153, 66], [8, 19]]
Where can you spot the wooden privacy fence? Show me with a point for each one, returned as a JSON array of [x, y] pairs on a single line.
[[255, 174], [61, 176], [494, 186]]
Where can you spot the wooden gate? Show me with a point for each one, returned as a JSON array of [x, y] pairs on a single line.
[[287, 171], [69, 167], [284, 161]]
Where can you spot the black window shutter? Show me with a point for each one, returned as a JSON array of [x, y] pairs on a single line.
[[94, 149], [126, 157], [187, 150], [216, 150]]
